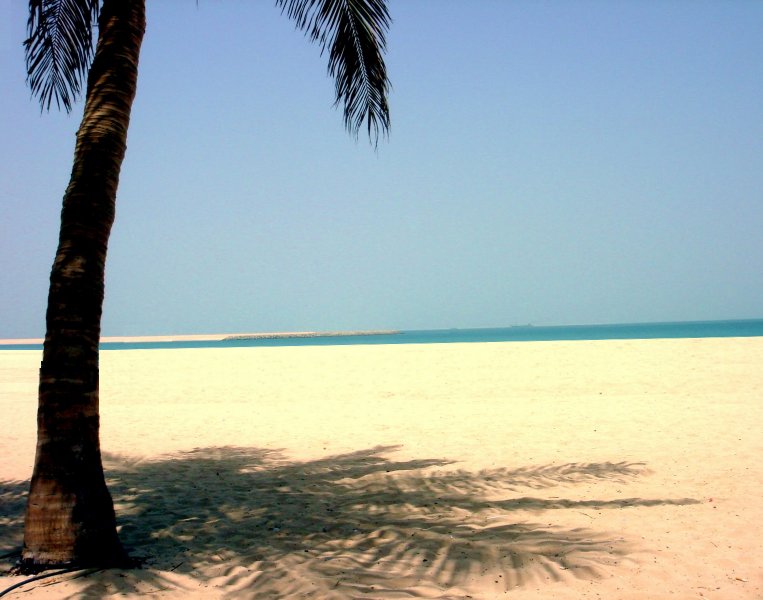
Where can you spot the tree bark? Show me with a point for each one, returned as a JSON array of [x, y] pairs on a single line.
[[70, 514]]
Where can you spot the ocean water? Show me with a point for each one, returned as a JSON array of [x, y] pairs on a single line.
[[626, 331]]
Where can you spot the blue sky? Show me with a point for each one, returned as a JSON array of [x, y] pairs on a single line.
[[549, 163]]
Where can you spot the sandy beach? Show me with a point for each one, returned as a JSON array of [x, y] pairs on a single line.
[[622, 469]]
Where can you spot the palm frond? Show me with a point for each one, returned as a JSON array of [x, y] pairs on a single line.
[[354, 32], [59, 48]]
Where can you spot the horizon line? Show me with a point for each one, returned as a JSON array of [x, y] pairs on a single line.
[[202, 337]]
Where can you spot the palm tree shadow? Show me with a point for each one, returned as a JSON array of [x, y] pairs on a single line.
[[254, 523], [12, 504], [357, 523]]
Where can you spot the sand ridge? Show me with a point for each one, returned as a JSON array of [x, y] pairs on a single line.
[[609, 469]]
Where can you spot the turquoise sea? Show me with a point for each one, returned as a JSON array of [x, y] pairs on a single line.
[[626, 331]]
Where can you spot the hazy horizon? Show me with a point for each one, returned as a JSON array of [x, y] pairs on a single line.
[[526, 326], [549, 163]]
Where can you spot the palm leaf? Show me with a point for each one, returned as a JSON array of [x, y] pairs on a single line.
[[354, 33], [59, 48]]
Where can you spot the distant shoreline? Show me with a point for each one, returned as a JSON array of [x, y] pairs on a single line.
[[308, 334], [515, 333], [215, 337]]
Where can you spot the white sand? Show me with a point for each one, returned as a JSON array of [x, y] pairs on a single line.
[[608, 469]]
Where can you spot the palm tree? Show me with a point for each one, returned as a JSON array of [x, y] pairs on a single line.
[[70, 516]]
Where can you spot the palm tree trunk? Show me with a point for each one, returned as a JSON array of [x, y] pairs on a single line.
[[70, 514]]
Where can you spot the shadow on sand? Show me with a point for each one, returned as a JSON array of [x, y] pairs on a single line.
[[251, 522]]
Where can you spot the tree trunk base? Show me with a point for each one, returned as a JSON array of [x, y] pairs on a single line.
[[28, 566]]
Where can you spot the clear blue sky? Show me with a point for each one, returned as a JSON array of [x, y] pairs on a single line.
[[562, 162]]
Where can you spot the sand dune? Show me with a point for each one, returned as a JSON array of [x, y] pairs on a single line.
[[609, 469]]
